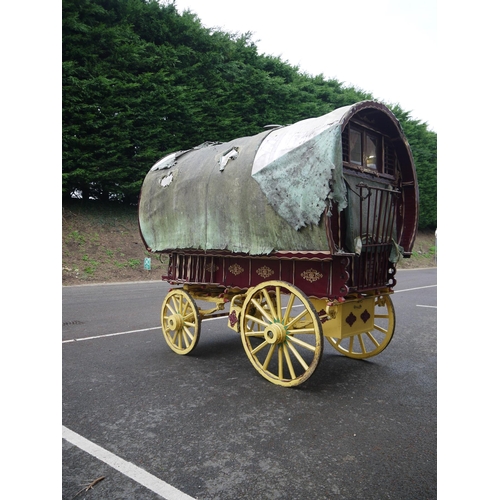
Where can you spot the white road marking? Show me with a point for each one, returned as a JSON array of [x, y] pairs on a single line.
[[130, 470], [420, 305], [81, 339], [207, 319], [111, 334], [417, 288]]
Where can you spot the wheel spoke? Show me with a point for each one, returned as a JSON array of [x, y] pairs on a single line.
[[373, 339], [257, 327], [361, 343], [269, 357], [188, 316], [176, 337], [188, 335], [380, 329], [269, 302], [257, 320], [299, 331], [298, 356], [303, 344], [297, 318], [259, 347], [289, 306], [258, 335], [289, 362], [278, 303], [181, 306], [262, 310], [185, 305], [177, 302]]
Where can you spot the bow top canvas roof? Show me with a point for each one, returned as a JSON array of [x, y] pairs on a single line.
[[256, 195]]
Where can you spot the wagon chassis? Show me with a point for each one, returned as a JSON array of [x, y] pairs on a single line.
[[282, 329]]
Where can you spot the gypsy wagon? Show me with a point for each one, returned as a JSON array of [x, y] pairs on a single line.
[[294, 234]]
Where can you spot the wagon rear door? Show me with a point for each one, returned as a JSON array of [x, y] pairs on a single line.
[[371, 232]]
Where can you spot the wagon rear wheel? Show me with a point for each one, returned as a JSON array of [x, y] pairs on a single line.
[[373, 342], [281, 333], [180, 321]]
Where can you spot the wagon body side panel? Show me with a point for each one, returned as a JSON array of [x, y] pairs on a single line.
[[320, 276]]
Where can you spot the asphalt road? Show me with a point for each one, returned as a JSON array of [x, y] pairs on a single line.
[[158, 425]]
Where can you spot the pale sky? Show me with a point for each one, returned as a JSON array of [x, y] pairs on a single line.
[[387, 47]]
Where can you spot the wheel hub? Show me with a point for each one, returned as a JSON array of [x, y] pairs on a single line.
[[275, 333], [175, 322]]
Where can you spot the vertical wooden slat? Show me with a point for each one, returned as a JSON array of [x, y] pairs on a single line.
[[376, 223]]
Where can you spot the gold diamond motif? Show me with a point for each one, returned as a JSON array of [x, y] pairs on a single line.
[[264, 272], [211, 268], [235, 269], [311, 275]]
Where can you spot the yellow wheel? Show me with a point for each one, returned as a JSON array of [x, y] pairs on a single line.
[[281, 333], [370, 343], [180, 321]]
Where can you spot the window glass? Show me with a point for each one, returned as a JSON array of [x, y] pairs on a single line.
[[371, 151], [355, 146]]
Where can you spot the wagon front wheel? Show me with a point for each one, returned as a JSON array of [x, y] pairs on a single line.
[[281, 333], [180, 321], [372, 342]]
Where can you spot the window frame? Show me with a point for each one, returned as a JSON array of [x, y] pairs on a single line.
[[381, 147]]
